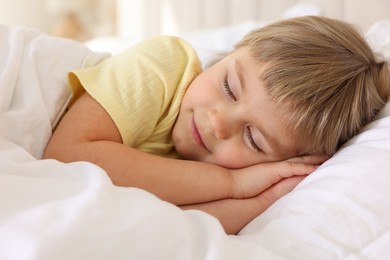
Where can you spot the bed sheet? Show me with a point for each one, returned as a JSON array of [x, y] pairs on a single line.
[[52, 210]]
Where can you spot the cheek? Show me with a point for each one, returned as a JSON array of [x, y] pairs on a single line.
[[238, 156], [203, 83], [233, 158]]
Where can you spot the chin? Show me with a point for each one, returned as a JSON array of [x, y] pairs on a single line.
[[191, 156], [186, 155]]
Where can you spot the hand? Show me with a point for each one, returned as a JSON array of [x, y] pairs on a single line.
[[252, 181], [234, 214], [278, 190]]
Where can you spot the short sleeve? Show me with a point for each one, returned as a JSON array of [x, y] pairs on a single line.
[[142, 88]]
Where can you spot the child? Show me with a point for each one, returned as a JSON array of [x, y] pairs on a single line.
[[251, 126]]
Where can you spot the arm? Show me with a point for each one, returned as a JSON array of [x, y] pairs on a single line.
[[234, 214], [87, 133]]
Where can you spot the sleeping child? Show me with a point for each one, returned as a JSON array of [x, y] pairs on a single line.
[[235, 137]]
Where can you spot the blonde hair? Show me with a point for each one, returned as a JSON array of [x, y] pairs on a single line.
[[326, 73]]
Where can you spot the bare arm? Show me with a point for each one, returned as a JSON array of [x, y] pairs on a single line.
[[87, 133], [234, 214]]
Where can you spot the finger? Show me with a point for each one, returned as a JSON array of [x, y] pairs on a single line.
[[275, 192], [257, 179], [309, 159], [286, 169]]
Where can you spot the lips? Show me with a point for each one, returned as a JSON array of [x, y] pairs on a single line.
[[196, 134]]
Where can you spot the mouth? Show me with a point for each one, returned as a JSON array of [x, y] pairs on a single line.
[[196, 134]]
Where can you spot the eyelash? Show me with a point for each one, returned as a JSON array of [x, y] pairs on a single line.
[[228, 90], [250, 139], [231, 95]]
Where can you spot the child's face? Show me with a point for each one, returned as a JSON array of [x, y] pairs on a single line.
[[226, 117]]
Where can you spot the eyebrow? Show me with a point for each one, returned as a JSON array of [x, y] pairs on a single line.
[[273, 143]]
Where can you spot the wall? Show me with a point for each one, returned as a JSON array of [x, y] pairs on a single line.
[[144, 18], [31, 13], [78, 19]]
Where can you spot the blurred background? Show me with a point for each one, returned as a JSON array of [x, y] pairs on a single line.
[[77, 19], [86, 19]]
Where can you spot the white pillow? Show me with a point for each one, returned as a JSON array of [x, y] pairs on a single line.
[[379, 37], [342, 210]]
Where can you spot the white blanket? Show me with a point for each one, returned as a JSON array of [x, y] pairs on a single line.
[[33, 84], [51, 210]]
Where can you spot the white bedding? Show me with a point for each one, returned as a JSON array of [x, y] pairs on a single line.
[[51, 210]]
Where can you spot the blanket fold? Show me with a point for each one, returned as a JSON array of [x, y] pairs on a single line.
[[33, 83]]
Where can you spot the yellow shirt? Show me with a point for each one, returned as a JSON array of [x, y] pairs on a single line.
[[142, 89]]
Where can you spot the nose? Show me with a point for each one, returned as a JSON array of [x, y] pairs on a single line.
[[220, 124]]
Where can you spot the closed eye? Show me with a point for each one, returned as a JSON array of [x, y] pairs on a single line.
[[228, 90], [251, 140]]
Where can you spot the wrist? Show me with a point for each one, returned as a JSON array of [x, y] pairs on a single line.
[[235, 187]]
